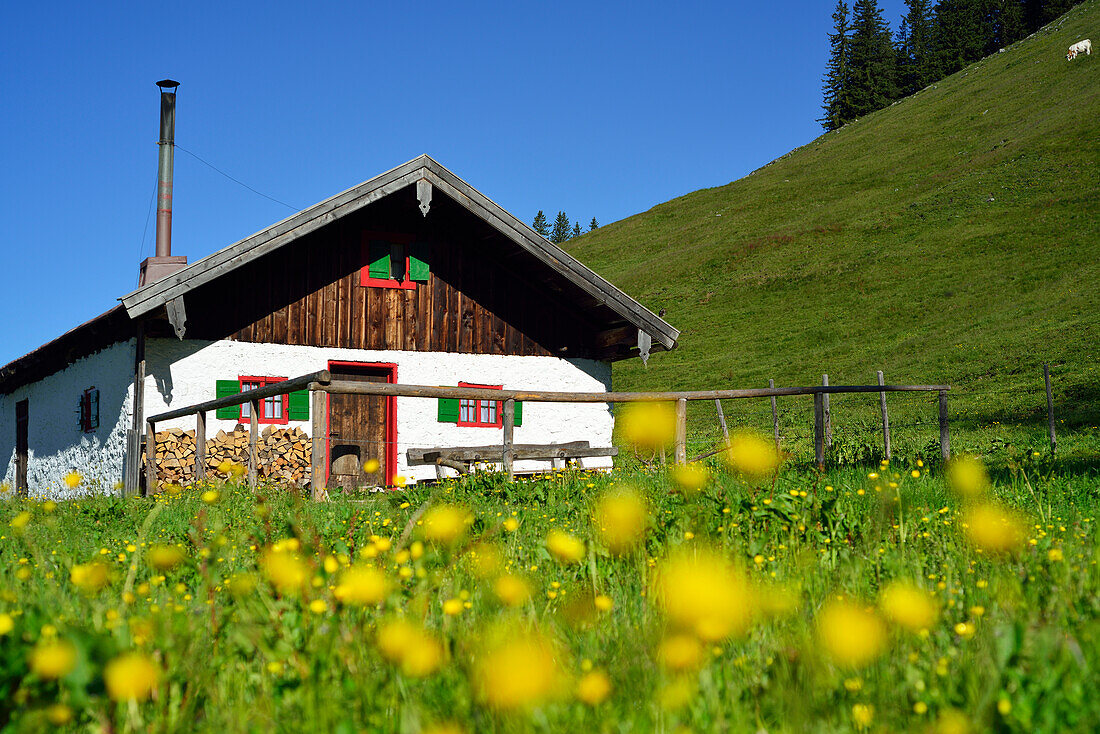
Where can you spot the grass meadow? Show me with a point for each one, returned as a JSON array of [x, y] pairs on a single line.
[[733, 596]]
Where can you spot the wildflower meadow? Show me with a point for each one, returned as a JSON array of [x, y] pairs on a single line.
[[751, 593]]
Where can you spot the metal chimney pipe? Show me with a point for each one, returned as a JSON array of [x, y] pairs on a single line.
[[164, 170]]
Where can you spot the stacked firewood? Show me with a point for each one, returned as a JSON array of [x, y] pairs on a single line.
[[283, 454]]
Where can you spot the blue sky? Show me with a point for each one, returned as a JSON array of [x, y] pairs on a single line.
[[598, 109]]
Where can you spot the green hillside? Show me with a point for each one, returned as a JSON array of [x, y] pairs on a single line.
[[953, 237]]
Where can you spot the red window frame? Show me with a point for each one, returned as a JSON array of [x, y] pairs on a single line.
[[365, 278], [478, 407], [257, 381]]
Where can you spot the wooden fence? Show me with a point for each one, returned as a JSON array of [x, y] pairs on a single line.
[[320, 383]]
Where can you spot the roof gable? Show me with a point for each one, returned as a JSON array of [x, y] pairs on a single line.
[[158, 294]]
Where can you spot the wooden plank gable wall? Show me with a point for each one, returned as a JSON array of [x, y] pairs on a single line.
[[485, 295]]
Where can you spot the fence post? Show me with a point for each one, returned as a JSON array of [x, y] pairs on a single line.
[[775, 417], [945, 433], [1050, 409], [819, 430], [200, 445], [722, 421], [681, 431], [253, 436], [828, 415], [509, 427], [318, 445], [150, 458], [885, 417]]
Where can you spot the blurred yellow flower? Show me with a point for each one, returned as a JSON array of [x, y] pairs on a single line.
[[131, 676], [7, 624], [452, 607], [968, 475], [565, 547], [1054, 555], [54, 659], [603, 603], [363, 585], [689, 478], [164, 557], [485, 560], [512, 590], [318, 606], [370, 466], [241, 584], [849, 634], [20, 521], [73, 479], [677, 693], [862, 715], [620, 519], [446, 524], [90, 577], [908, 606], [173, 490], [952, 721], [210, 496], [593, 688], [649, 426], [994, 529], [752, 456], [286, 571], [680, 652], [702, 592], [417, 653], [511, 524], [446, 727], [517, 672], [59, 714]]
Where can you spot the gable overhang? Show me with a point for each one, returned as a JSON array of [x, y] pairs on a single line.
[[155, 296]]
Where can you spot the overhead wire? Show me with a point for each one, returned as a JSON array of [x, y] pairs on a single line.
[[236, 180]]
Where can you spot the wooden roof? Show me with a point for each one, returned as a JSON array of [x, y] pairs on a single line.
[[156, 295]]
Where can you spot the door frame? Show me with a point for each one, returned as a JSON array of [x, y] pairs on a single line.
[[391, 416]]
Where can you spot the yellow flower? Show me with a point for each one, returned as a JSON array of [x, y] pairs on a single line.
[[452, 607], [593, 688], [53, 659], [604, 603], [751, 455], [620, 519], [7, 624], [1054, 555], [951, 721], [363, 585], [73, 479], [908, 606], [485, 560], [446, 727], [164, 557], [680, 652], [404, 644], [370, 466], [225, 466], [318, 606], [862, 715], [131, 676], [286, 571], [564, 546], [511, 524], [690, 478], [173, 490], [849, 634], [20, 521], [702, 592], [677, 693], [210, 496], [446, 524], [968, 475], [512, 590], [90, 577], [59, 714], [241, 584], [649, 426], [517, 672], [993, 529]]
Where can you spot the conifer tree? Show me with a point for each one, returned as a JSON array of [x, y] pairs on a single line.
[[1010, 22], [916, 63], [540, 224], [836, 102], [577, 230], [593, 224], [963, 34], [870, 60], [560, 232]]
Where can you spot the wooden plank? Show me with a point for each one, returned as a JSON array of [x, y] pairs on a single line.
[[828, 415], [329, 319], [22, 446], [885, 417], [132, 480], [318, 445], [722, 421], [200, 446], [509, 419], [150, 459], [495, 454], [253, 437], [681, 431], [277, 388], [775, 416], [473, 453], [819, 430], [945, 431], [376, 309], [411, 320], [1050, 409]]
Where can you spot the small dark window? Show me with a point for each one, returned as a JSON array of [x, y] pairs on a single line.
[[89, 410]]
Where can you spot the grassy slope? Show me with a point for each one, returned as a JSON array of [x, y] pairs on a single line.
[[875, 247]]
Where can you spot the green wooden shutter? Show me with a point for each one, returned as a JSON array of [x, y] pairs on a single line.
[[298, 410], [224, 389], [418, 262], [379, 255], [448, 410], [517, 413]]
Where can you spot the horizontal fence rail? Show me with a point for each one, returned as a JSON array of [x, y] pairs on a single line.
[[321, 382]]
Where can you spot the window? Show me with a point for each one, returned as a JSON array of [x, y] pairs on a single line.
[[487, 413], [272, 409], [89, 410], [393, 261]]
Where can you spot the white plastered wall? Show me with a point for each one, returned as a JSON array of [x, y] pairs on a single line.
[[56, 444], [184, 373]]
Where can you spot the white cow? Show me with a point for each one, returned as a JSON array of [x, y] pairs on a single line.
[[1082, 47]]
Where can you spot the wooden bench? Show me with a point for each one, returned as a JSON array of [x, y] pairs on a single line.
[[460, 458]]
